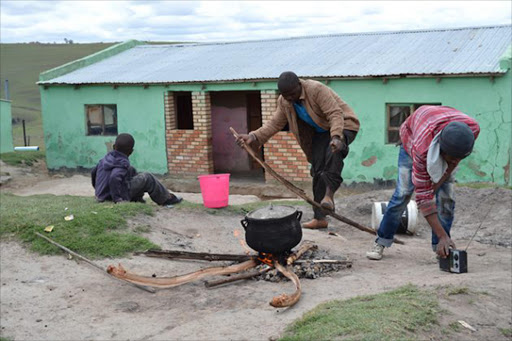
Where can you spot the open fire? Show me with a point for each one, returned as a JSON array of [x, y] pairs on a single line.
[[283, 265]]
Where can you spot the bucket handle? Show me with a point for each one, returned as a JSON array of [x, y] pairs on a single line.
[[244, 223], [299, 215]]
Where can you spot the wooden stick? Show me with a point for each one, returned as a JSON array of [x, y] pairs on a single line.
[[148, 289], [285, 300], [324, 261], [306, 246], [300, 193], [170, 254], [237, 277], [169, 282]]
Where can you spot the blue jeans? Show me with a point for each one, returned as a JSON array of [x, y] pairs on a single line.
[[445, 202]]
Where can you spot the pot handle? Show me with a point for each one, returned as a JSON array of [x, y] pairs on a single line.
[[244, 223], [299, 215]]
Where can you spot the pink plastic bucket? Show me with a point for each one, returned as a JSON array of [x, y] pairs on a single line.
[[215, 190]]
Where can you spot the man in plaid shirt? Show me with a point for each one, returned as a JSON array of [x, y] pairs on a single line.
[[434, 140]]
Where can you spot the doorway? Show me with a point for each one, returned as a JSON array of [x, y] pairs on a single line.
[[242, 111]]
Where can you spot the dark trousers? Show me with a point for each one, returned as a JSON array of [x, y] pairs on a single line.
[[327, 166], [146, 182]]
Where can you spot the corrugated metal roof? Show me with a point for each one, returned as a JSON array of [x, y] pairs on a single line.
[[424, 52]]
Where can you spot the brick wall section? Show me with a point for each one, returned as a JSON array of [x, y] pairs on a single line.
[[282, 152], [189, 152]]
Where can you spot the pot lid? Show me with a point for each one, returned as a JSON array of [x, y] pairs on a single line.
[[271, 212]]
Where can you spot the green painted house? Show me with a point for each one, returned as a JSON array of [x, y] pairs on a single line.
[[5, 126], [179, 100]]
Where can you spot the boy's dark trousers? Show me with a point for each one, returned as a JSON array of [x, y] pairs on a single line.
[[146, 182], [327, 166]]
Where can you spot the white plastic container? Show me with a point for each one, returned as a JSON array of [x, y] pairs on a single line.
[[26, 149], [409, 217]]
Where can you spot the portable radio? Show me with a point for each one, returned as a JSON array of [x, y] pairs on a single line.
[[456, 262]]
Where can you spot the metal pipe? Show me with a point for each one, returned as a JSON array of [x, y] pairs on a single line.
[[6, 89]]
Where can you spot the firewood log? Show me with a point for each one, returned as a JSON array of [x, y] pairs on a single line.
[[285, 300], [169, 282]]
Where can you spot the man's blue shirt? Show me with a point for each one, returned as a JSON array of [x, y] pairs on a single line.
[[303, 115]]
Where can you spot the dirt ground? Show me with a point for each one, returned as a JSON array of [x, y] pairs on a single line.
[[53, 298]]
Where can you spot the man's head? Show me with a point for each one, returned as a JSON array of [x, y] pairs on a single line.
[[456, 141], [124, 144], [289, 86]]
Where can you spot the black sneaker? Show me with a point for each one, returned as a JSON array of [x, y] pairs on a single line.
[[173, 200]]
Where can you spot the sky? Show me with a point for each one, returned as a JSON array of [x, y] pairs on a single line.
[[217, 21]]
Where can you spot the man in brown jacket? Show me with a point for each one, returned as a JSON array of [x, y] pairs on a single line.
[[323, 125]]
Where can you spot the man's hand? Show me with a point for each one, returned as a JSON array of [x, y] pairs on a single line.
[[337, 144], [444, 245], [246, 139]]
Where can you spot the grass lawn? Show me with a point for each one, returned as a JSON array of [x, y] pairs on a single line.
[[21, 64], [22, 158], [401, 314], [96, 231]]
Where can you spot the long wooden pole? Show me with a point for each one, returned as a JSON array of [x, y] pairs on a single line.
[[299, 192], [148, 289], [170, 254]]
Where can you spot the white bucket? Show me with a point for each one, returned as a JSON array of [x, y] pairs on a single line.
[[409, 217]]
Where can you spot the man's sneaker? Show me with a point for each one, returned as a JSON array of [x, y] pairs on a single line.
[[376, 252]]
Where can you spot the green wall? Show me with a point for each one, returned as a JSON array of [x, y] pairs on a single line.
[[487, 101], [5, 127], [141, 113]]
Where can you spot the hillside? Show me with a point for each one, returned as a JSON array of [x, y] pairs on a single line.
[[21, 64]]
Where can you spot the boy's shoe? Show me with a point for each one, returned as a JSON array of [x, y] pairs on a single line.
[[173, 200], [376, 252], [316, 224]]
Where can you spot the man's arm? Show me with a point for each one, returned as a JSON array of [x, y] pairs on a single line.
[[425, 198], [331, 109], [445, 242], [271, 127], [116, 183]]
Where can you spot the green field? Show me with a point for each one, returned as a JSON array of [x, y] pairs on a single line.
[[21, 64]]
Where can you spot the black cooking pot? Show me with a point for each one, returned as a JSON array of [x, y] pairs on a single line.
[[273, 229]]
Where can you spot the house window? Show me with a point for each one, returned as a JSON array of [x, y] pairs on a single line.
[[396, 114], [101, 119], [184, 117]]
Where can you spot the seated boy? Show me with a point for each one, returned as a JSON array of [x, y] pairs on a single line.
[[115, 180]]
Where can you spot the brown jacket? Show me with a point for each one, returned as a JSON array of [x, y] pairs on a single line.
[[324, 106]]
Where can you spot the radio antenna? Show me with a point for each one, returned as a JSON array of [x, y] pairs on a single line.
[[479, 226]]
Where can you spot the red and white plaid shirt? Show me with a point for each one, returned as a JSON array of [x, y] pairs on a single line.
[[416, 134]]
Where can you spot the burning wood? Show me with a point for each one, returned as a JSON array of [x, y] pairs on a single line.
[[251, 266], [169, 282], [306, 246], [285, 300]]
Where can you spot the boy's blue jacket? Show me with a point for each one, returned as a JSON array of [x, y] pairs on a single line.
[[111, 177]]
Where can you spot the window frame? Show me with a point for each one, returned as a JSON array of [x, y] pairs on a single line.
[[413, 106], [103, 131]]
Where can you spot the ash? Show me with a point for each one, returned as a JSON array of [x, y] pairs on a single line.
[[305, 268]]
